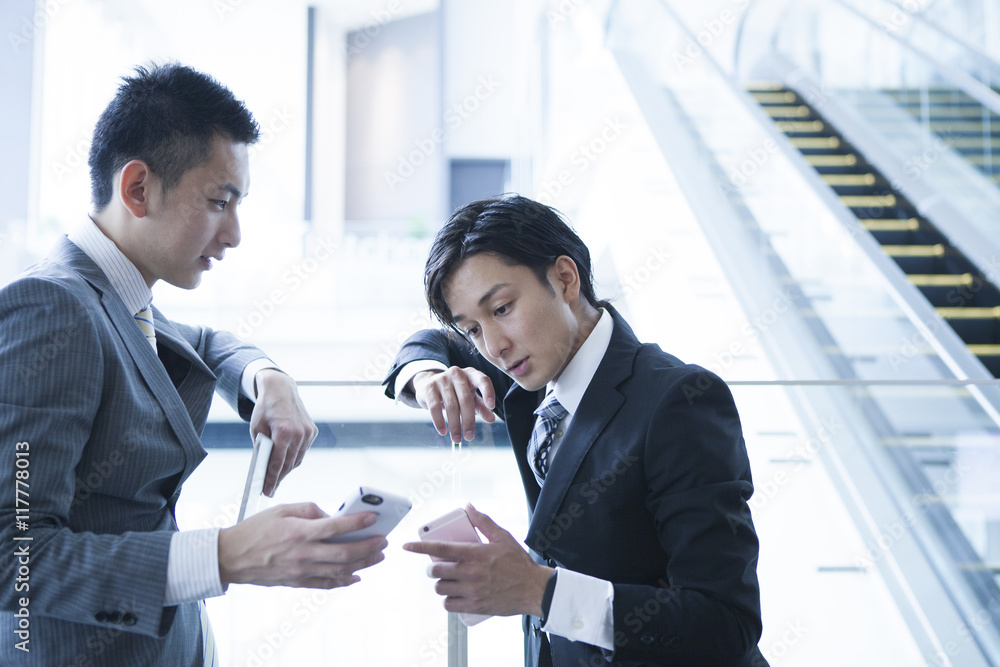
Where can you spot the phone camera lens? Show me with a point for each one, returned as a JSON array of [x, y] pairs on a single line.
[[371, 499], [427, 528]]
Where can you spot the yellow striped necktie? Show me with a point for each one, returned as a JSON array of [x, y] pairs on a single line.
[[144, 318]]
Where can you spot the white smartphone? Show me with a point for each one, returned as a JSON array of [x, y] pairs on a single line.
[[253, 490], [389, 507], [453, 527]]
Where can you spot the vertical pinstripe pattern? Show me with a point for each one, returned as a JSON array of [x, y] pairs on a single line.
[[112, 440]]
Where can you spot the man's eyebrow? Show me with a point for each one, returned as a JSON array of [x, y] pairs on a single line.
[[483, 299], [233, 190]]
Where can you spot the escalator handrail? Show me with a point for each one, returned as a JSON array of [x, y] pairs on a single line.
[[957, 77], [971, 49]]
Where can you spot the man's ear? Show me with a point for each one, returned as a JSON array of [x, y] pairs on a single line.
[[134, 186], [566, 277]]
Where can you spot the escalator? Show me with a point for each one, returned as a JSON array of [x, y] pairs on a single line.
[[962, 122], [957, 289]]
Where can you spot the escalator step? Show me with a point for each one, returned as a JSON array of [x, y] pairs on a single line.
[[806, 143], [985, 350], [953, 127], [868, 201], [786, 97], [969, 313], [801, 126], [787, 111], [764, 86], [941, 279], [972, 142], [877, 225], [936, 250], [849, 180], [848, 160]]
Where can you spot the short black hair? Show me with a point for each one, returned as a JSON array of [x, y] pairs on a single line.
[[520, 231], [167, 116]]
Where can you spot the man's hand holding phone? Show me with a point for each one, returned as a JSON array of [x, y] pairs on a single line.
[[498, 578]]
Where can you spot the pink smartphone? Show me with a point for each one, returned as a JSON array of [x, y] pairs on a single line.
[[453, 527]]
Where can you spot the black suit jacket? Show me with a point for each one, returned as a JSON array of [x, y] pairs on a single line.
[[648, 491]]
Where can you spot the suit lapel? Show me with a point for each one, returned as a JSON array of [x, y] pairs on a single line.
[[600, 403], [177, 412]]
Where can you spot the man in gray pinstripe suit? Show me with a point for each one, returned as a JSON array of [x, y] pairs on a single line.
[[101, 416]]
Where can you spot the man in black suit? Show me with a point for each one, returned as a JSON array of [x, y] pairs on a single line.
[[635, 470]]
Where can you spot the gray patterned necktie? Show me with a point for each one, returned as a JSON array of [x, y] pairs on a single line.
[[550, 413]]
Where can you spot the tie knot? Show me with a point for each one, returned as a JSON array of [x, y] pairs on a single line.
[[550, 408]]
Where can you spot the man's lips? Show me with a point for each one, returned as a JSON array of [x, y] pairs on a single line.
[[517, 368]]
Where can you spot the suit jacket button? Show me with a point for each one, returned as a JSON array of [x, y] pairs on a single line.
[[101, 617], [128, 618], [647, 639]]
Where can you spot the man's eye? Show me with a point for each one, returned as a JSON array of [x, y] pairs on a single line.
[[221, 203], [502, 310]]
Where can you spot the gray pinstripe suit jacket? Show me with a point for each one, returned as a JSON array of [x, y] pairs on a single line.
[[112, 432]]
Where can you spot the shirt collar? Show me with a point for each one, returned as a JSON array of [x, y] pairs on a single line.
[[124, 277], [576, 377]]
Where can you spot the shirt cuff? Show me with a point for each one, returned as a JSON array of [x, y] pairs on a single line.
[[250, 372], [193, 567], [582, 609], [407, 372]]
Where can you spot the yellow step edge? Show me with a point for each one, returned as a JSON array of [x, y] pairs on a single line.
[[849, 179], [799, 126], [763, 85], [848, 160], [939, 110], [969, 313], [941, 280], [985, 350], [786, 97], [956, 126], [885, 201], [936, 250], [879, 225], [971, 142], [815, 142], [788, 111]]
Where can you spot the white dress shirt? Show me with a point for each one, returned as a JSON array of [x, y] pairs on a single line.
[[582, 606], [193, 559]]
